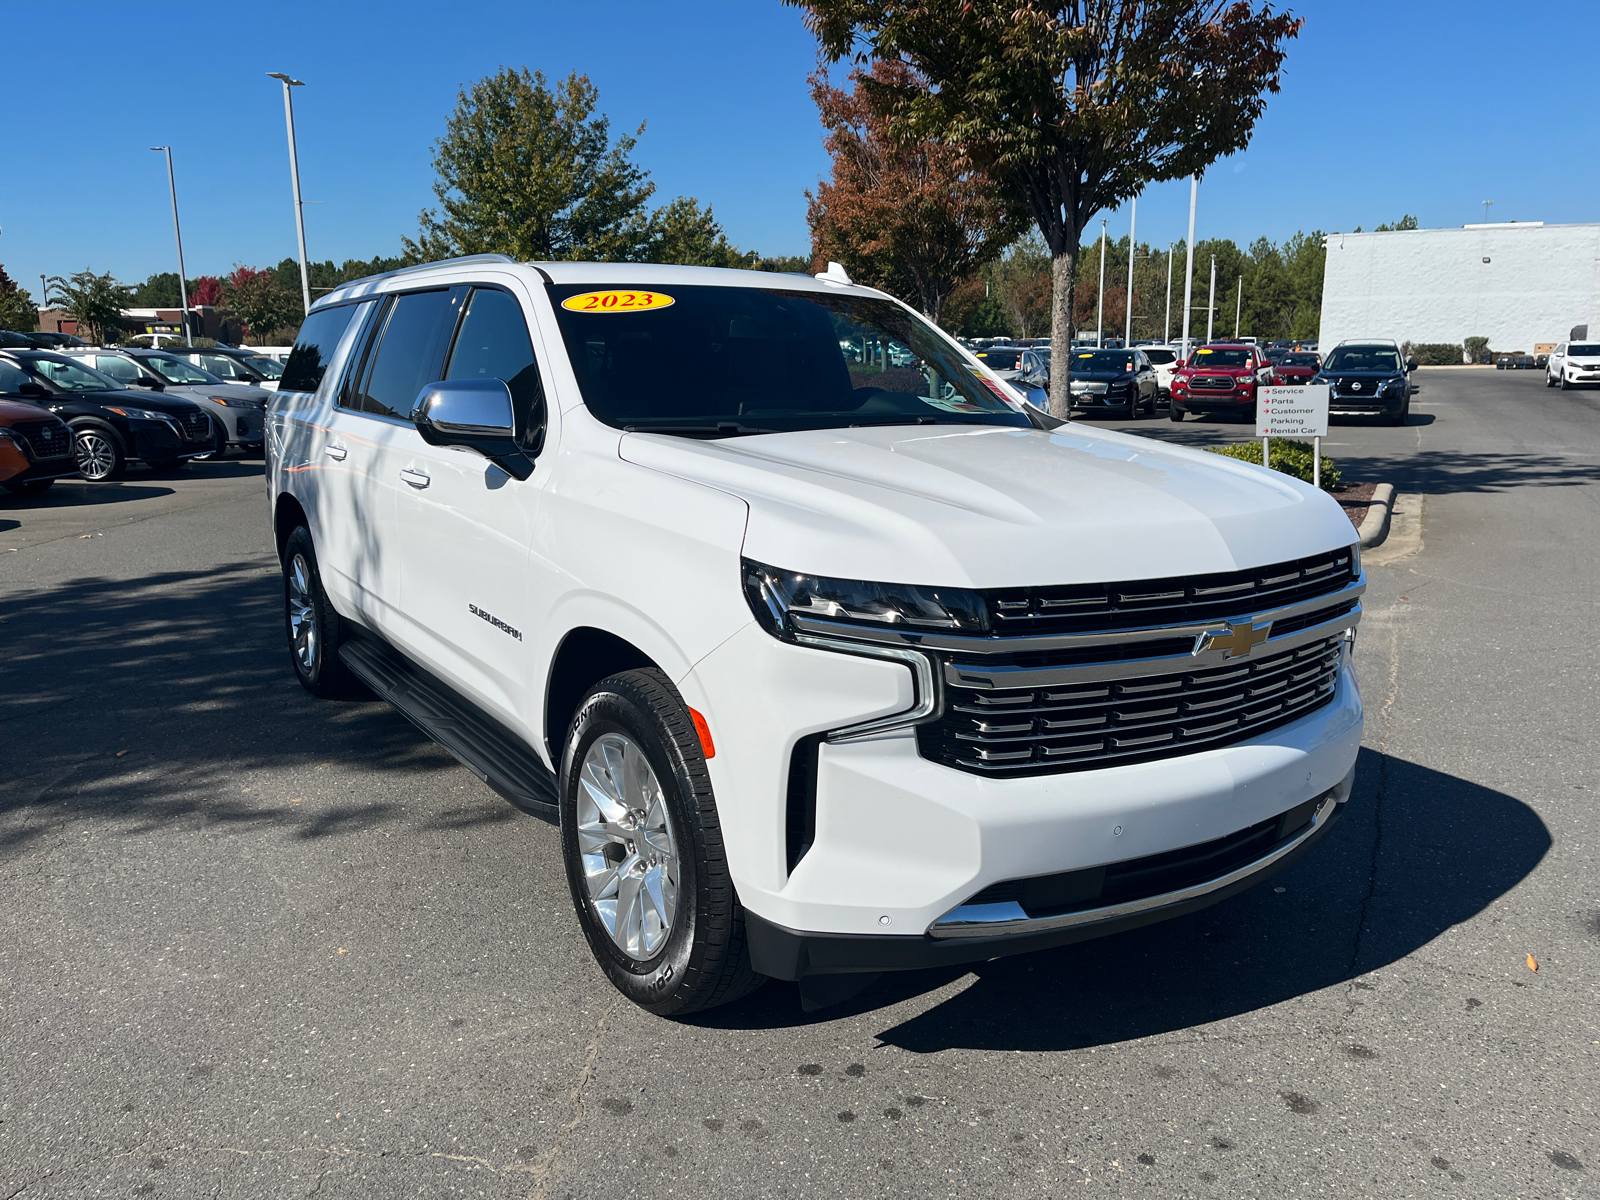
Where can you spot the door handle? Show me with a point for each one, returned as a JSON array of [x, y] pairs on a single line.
[[415, 478], [337, 453]]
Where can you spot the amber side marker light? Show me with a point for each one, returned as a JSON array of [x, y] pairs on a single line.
[[704, 731]]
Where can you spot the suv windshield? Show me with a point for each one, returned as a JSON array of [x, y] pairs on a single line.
[[1102, 361], [718, 361], [270, 367], [1000, 359], [1363, 358], [1214, 356], [1298, 360], [1585, 351], [175, 370], [68, 375]]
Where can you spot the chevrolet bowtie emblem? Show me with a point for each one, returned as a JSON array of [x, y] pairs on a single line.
[[1238, 641]]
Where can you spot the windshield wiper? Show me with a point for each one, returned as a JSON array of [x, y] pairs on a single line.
[[908, 419], [719, 429]]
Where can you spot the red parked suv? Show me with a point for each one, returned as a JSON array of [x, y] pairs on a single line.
[[1221, 377], [1296, 367]]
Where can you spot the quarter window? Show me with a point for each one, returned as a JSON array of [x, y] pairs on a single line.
[[314, 347], [117, 367], [494, 344]]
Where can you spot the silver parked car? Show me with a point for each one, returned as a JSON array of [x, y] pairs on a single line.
[[237, 412]]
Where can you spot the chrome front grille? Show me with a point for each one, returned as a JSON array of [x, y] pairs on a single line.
[[46, 439], [1211, 383], [1144, 603], [1022, 731]]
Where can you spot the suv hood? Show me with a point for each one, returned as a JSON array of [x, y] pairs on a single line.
[[999, 507]]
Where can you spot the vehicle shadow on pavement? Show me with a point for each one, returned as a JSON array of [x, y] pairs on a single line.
[[150, 702], [1376, 890], [70, 496]]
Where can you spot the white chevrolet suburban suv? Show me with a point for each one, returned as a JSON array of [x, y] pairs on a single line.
[[828, 655]]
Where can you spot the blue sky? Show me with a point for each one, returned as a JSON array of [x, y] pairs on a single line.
[[1386, 109]]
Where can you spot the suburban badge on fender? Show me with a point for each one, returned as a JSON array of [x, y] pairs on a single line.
[[495, 621]]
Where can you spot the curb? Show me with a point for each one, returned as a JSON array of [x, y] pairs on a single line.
[[1375, 525]]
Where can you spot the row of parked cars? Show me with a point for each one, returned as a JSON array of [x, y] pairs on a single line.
[[90, 411]]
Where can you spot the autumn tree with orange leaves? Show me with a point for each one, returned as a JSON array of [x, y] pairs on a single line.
[[1074, 106], [915, 218]]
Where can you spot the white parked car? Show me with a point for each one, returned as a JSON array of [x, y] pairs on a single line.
[[1573, 363], [822, 671], [1165, 360]]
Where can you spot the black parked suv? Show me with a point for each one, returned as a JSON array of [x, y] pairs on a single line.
[[111, 426], [1368, 379]]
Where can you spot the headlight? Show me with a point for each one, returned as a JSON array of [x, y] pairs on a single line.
[[7, 435], [138, 414], [775, 596], [218, 400]]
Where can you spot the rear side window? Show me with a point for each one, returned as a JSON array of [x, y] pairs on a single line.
[[313, 349], [407, 353], [494, 344], [11, 379], [117, 367], [222, 366]]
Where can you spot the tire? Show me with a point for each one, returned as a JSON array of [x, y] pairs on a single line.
[[33, 487], [1135, 410], [99, 455], [1173, 411], [1564, 385], [314, 630], [677, 950], [1549, 380], [1405, 411]]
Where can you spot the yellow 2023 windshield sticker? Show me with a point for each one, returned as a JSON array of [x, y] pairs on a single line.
[[612, 302]]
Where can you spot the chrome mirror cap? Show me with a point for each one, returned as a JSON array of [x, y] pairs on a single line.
[[470, 407]]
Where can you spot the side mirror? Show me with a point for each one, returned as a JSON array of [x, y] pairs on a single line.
[[36, 390], [475, 414], [1177, 363], [1411, 364]]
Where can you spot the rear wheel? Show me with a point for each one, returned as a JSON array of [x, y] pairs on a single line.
[[313, 627], [99, 456], [644, 852]]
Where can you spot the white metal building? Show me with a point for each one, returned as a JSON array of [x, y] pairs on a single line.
[[1518, 284]]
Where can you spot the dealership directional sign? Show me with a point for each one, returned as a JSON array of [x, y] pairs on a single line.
[[1298, 412]]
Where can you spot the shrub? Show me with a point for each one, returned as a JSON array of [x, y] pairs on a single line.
[[1478, 350], [1434, 354], [1290, 457]]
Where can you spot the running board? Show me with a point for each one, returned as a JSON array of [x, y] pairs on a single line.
[[485, 747]]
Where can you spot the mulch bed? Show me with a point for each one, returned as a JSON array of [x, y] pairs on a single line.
[[1356, 499]]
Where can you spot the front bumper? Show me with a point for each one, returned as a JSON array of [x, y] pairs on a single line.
[[1209, 401], [1367, 406], [784, 953]]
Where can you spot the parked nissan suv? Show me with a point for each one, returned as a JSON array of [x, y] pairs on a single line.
[[1368, 379], [827, 655]]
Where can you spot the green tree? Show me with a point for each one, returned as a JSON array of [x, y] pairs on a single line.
[[17, 310], [160, 290], [1075, 105], [1019, 284], [260, 302], [1405, 222], [684, 233], [531, 170], [94, 301]]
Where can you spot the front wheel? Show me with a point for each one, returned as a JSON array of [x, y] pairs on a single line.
[[644, 852], [1173, 411], [99, 456], [219, 446], [1563, 385]]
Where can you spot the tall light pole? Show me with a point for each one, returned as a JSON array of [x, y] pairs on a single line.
[[1166, 330], [1188, 268], [1238, 309], [1486, 205], [1133, 250], [1100, 318], [294, 181], [183, 288], [1211, 302]]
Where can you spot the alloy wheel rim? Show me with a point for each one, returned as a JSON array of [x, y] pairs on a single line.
[[626, 843], [302, 615], [95, 456]]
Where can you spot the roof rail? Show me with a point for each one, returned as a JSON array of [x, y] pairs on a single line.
[[442, 262]]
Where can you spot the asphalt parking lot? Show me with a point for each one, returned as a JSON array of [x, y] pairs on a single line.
[[256, 944]]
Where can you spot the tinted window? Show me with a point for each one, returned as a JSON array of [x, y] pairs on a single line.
[[1583, 351], [405, 357], [1000, 360], [222, 366], [118, 368], [1299, 360], [1161, 357], [1208, 356], [313, 349], [1103, 360], [11, 379], [1363, 358], [493, 344], [69, 375], [175, 370], [719, 361]]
